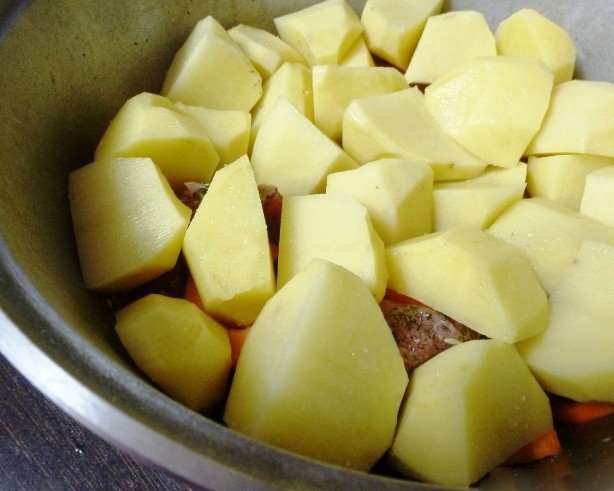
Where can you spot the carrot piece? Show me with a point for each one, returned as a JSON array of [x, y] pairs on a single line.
[[395, 296], [569, 411], [546, 445], [237, 337], [191, 293]]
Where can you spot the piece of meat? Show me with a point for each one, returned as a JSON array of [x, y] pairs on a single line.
[[421, 332], [271, 200]]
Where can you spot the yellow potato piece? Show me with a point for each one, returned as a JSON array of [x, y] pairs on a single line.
[[320, 373], [573, 357], [128, 223], [211, 70], [493, 106], [466, 411], [473, 277], [179, 347], [150, 125], [226, 247], [334, 227]]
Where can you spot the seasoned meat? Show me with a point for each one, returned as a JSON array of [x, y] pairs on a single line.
[[192, 193], [271, 200], [421, 332]]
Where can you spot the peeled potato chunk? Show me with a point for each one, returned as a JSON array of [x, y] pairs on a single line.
[[128, 223], [226, 247], [398, 195], [574, 356], [549, 235], [293, 154], [579, 120], [179, 347], [229, 131], [449, 39], [393, 27], [211, 70], [400, 125], [492, 105], [474, 278], [320, 373], [321, 33], [473, 203], [561, 178], [527, 33], [150, 125], [334, 227], [466, 411], [292, 81], [334, 87], [265, 50]]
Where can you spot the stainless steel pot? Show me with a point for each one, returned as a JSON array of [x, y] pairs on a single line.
[[65, 68]]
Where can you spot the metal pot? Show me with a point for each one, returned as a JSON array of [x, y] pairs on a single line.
[[65, 69]]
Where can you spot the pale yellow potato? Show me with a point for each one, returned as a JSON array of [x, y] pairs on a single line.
[[179, 347], [334, 87], [334, 227], [150, 125], [392, 28], [561, 178], [398, 195], [293, 154], [291, 81], [321, 33], [320, 373], [400, 125], [128, 223], [211, 70], [472, 203], [357, 55], [528, 33], [264, 50], [467, 410], [493, 105], [473, 277], [226, 247], [598, 196], [449, 39], [579, 120], [549, 235], [573, 357], [229, 131]]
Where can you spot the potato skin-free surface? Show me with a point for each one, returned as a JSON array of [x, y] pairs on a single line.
[[320, 373], [466, 411]]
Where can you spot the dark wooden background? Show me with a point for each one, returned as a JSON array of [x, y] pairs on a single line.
[[41, 448]]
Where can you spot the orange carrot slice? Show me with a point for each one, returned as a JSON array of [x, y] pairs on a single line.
[[191, 293], [546, 445], [237, 337], [569, 411]]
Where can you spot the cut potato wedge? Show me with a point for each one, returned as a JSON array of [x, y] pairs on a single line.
[[128, 223], [473, 277], [226, 247], [334, 227], [211, 70], [476, 404], [400, 125], [179, 347], [573, 357], [320, 373]]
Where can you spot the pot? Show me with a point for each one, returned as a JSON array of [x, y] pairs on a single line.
[[66, 68]]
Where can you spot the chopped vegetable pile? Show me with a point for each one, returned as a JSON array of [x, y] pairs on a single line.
[[368, 237]]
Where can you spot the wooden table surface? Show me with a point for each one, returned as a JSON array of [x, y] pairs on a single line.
[[41, 448]]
